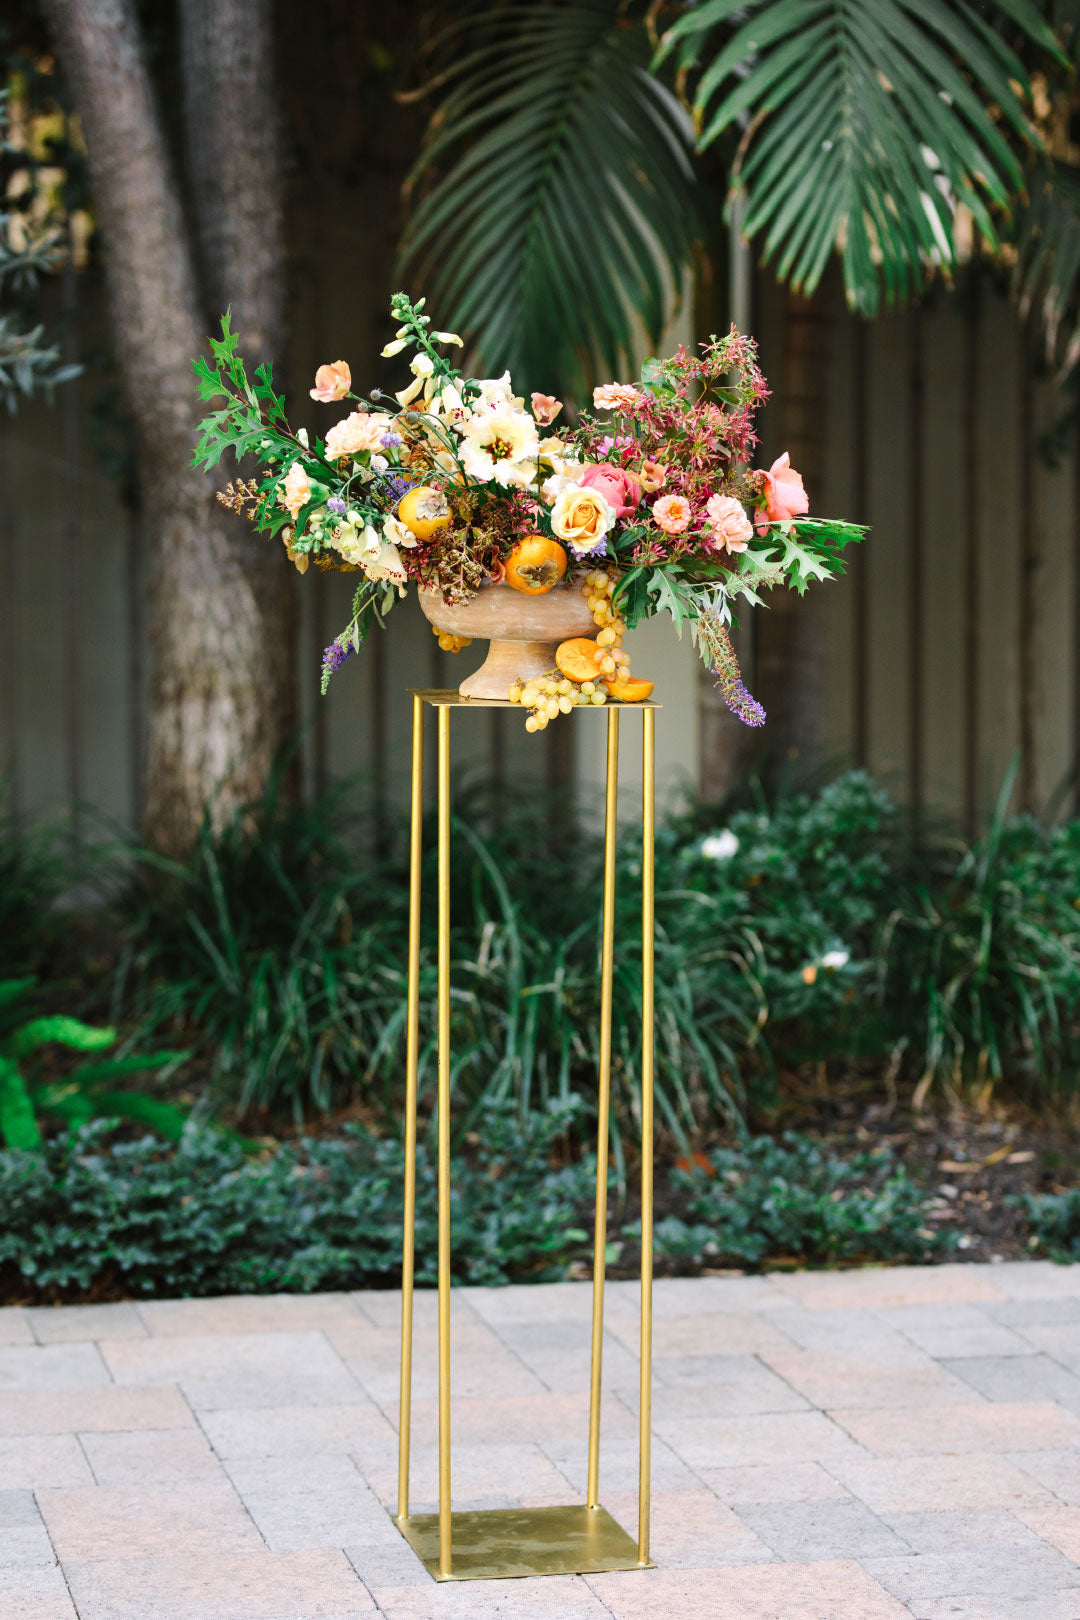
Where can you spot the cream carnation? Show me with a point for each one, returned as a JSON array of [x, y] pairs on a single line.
[[363, 430], [295, 492]]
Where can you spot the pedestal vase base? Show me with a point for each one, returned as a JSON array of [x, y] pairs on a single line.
[[500, 1543]]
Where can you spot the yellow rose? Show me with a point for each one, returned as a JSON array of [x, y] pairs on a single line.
[[582, 517]]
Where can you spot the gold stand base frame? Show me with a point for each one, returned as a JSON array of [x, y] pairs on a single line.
[[502, 1542]]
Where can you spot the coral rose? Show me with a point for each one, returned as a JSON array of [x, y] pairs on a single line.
[[619, 397], [785, 496], [731, 528], [332, 382], [363, 430], [582, 517], [672, 514], [546, 408], [622, 489]]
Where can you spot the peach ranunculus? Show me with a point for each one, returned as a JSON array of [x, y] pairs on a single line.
[[672, 513], [653, 476], [295, 492], [620, 397], [785, 496], [332, 382], [731, 528], [582, 517], [546, 408], [622, 489], [363, 430]]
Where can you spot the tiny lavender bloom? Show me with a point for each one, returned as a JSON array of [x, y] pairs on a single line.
[[335, 504], [335, 655]]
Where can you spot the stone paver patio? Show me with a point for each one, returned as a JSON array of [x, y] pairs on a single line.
[[865, 1445]]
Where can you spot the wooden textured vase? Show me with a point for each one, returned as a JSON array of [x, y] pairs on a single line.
[[523, 631]]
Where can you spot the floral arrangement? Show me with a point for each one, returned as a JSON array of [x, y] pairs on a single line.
[[648, 503]]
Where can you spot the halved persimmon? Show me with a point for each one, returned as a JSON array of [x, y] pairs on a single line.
[[535, 565], [579, 659], [628, 690]]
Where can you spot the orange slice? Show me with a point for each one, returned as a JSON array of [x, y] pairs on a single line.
[[628, 690], [579, 659]]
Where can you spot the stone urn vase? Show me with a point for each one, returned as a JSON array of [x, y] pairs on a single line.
[[522, 631]]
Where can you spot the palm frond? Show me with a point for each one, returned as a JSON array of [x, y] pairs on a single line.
[[1047, 272], [563, 201], [864, 126]]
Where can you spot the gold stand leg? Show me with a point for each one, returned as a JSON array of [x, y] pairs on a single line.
[[607, 957], [444, 1144], [412, 1046], [648, 772]]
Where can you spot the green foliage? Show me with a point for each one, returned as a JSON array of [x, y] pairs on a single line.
[[794, 1202], [86, 1092], [1054, 1220], [864, 126], [95, 1213], [565, 196]]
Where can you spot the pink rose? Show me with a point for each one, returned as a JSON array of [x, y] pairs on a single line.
[[332, 382], [785, 496], [731, 529], [672, 513], [620, 489]]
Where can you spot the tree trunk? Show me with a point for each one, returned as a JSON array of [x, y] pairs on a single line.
[[218, 684]]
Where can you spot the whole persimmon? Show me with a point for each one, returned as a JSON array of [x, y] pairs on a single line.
[[424, 510], [535, 565], [579, 659]]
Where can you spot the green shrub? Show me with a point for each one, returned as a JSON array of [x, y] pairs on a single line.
[[794, 1202], [1054, 1220], [106, 1218], [140, 1218]]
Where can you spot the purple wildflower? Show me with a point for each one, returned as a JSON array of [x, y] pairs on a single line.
[[390, 440], [335, 504], [742, 703], [335, 655]]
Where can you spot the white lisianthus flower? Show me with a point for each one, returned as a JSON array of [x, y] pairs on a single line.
[[398, 533], [421, 365], [499, 447], [496, 392], [720, 846], [568, 478]]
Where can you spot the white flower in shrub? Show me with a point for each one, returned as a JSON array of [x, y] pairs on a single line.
[[835, 959], [720, 846]]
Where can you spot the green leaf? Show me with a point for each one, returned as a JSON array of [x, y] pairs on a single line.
[[17, 1123], [865, 125], [565, 201], [61, 1029]]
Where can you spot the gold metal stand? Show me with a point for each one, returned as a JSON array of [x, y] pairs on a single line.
[[580, 1538]]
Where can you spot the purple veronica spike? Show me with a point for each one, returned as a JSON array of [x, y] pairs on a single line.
[[335, 504], [334, 656]]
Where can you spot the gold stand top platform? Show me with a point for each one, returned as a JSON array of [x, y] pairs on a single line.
[[451, 698]]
